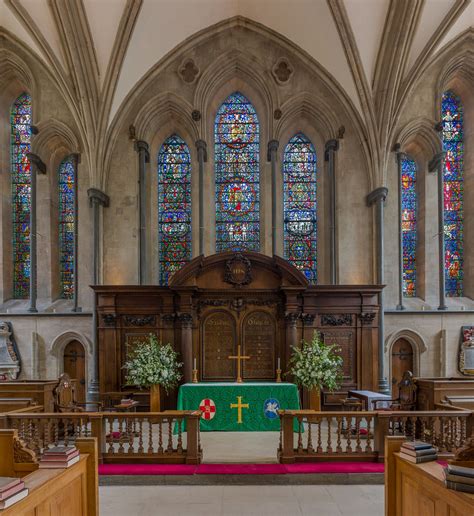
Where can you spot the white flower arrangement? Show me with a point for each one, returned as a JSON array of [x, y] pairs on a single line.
[[153, 363], [316, 364]]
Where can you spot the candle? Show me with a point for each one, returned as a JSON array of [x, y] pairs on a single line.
[[194, 362], [278, 363]]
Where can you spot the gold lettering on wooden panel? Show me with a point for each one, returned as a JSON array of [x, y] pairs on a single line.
[[259, 344], [218, 342], [345, 340]]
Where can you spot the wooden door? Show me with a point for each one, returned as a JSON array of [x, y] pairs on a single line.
[[402, 360], [75, 367]]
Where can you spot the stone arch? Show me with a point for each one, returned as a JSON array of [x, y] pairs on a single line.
[[417, 343], [59, 345]]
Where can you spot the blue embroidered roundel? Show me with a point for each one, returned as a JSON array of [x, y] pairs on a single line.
[[271, 408]]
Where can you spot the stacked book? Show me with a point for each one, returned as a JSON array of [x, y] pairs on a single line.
[[126, 401], [418, 451], [12, 490], [459, 478], [59, 457]]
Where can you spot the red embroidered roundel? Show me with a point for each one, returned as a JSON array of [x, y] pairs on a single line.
[[208, 409]]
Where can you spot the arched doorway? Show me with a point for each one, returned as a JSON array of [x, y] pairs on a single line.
[[402, 360], [75, 367]]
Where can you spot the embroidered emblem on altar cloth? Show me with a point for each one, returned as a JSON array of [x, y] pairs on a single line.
[[208, 409], [271, 408]]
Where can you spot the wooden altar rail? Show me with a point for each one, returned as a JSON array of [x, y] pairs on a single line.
[[359, 436], [138, 437]]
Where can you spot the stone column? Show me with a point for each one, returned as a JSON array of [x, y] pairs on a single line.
[[97, 198], [76, 158], [186, 321], [272, 158], [331, 147], [437, 165], [143, 158], [37, 167], [400, 157], [378, 197], [201, 147]]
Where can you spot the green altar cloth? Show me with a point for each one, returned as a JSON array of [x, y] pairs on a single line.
[[239, 407]]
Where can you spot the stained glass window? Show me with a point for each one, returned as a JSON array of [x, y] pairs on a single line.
[[174, 206], [237, 176], [452, 117], [409, 201], [299, 205], [67, 220], [20, 122]]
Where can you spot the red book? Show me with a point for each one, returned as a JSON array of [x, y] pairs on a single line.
[[8, 482], [13, 490], [59, 456], [58, 464], [61, 450], [13, 499]]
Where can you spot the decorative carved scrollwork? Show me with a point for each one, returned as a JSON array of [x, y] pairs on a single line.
[[21, 453], [185, 319], [109, 319], [238, 271], [169, 318], [336, 320], [282, 71], [308, 319], [291, 318], [367, 317], [146, 320], [188, 71]]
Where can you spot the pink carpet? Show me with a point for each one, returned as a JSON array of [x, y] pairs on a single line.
[[240, 469]]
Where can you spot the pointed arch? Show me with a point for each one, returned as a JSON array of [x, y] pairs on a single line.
[[174, 207], [300, 205], [453, 178], [237, 175], [20, 123]]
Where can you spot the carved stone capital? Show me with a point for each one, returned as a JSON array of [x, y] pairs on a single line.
[[291, 318], [367, 317], [436, 162], [37, 163], [308, 319], [272, 148], [379, 194], [185, 319], [109, 319], [142, 146], [97, 196], [201, 147], [331, 146]]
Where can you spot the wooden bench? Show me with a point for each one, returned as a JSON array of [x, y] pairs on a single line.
[[9, 404]]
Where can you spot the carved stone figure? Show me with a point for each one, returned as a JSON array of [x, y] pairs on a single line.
[[466, 351], [10, 363]]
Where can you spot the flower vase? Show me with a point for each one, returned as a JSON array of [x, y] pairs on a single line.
[[155, 398], [315, 399]]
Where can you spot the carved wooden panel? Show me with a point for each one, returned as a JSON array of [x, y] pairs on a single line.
[[218, 342], [259, 344], [346, 341], [130, 341]]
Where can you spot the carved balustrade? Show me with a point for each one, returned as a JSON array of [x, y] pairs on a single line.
[[161, 437]]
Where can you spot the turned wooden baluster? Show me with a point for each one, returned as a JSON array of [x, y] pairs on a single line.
[[47, 434], [56, 433], [160, 436], [339, 432], [462, 431], [300, 437], [36, 428], [310, 448], [140, 436], [442, 433], [329, 447], [368, 444], [358, 446], [150, 436], [179, 449], [121, 448], [110, 435], [281, 436], [349, 432], [131, 436], [320, 442], [169, 448]]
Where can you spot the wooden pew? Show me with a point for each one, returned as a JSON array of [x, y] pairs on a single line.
[[9, 404], [41, 391], [72, 491], [418, 489]]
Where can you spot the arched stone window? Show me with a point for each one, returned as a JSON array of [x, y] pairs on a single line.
[[174, 207], [452, 118], [237, 177], [20, 121], [409, 225], [300, 205], [66, 221]]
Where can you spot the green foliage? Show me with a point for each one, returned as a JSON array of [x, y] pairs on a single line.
[[316, 364], [153, 363]]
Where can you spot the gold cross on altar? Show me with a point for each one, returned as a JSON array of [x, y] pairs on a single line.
[[239, 357], [239, 406]]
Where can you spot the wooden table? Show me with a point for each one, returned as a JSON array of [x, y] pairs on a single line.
[[369, 397]]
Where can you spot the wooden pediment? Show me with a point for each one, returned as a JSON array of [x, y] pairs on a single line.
[[239, 270]]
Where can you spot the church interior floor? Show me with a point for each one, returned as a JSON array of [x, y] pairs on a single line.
[[327, 500]]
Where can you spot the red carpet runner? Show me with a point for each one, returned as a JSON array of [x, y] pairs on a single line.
[[240, 469]]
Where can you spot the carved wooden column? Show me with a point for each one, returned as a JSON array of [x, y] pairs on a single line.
[[437, 165], [377, 197], [332, 146], [201, 147], [186, 322], [272, 158], [143, 158], [97, 198], [37, 167], [291, 323]]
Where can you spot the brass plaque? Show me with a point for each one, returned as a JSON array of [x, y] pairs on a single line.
[[218, 343], [259, 344]]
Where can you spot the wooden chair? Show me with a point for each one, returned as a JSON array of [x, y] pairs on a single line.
[[65, 397], [407, 395]]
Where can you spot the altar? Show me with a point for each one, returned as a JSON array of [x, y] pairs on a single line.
[[239, 407]]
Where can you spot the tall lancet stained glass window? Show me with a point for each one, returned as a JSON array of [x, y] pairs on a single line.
[[300, 205], [452, 117], [67, 220], [20, 123], [174, 207], [409, 202], [236, 133]]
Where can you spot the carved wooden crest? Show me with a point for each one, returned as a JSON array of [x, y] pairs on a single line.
[[238, 271]]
